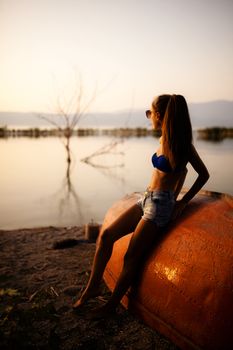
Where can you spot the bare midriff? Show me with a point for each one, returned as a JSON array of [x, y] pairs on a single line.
[[163, 181], [166, 181]]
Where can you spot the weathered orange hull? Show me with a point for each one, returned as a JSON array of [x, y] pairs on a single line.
[[185, 289]]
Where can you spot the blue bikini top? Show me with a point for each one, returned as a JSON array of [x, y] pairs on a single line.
[[161, 163]]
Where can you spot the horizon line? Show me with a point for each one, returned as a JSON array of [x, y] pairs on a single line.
[[115, 111]]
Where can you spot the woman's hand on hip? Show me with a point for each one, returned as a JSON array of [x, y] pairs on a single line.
[[178, 209]]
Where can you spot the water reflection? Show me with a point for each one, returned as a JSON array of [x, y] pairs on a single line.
[[39, 187], [67, 196]]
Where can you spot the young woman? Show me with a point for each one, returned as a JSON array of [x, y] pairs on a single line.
[[158, 205]]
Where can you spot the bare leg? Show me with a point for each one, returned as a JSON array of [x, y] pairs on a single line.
[[144, 235], [125, 224]]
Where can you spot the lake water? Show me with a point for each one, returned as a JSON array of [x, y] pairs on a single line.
[[34, 189]]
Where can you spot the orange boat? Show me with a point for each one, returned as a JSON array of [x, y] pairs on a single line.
[[185, 288]]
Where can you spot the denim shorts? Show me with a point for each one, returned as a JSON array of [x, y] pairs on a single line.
[[157, 206]]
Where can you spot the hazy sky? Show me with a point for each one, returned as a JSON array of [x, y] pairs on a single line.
[[133, 50]]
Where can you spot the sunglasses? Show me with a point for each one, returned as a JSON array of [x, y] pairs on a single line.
[[148, 113]]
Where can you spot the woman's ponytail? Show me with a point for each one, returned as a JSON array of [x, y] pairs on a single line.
[[177, 131]]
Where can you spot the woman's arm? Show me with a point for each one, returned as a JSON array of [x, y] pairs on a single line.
[[180, 183], [203, 176]]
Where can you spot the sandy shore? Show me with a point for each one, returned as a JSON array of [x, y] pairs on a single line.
[[38, 285]]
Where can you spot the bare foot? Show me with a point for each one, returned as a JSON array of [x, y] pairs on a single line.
[[86, 295]]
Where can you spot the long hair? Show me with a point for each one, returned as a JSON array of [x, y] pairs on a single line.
[[176, 128]]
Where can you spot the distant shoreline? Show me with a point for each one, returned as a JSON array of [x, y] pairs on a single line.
[[81, 132], [215, 133], [212, 134]]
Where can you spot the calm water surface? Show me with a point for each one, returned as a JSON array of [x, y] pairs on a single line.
[[35, 191]]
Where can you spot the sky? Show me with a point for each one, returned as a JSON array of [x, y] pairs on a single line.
[[124, 52]]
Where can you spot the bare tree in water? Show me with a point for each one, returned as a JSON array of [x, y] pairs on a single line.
[[68, 113]]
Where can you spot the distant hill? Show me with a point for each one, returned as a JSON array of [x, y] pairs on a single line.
[[207, 114], [215, 113]]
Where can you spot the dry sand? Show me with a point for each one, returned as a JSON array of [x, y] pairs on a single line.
[[38, 285]]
